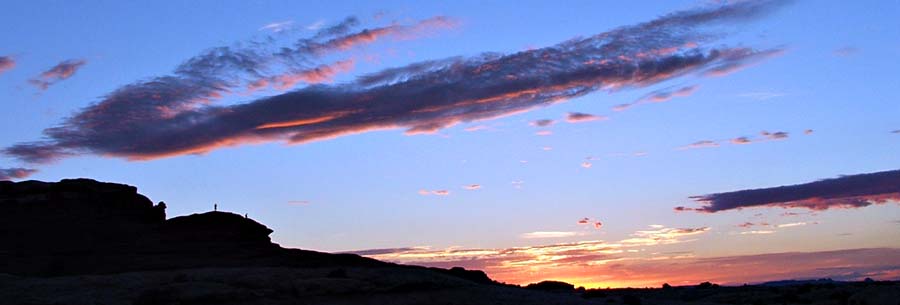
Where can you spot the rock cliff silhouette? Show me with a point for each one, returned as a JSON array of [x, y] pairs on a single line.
[[81, 226]]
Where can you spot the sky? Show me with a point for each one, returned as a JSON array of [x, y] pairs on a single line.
[[602, 143]]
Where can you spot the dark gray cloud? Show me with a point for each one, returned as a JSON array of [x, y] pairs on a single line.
[[137, 122], [6, 63], [15, 173], [57, 73], [851, 191]]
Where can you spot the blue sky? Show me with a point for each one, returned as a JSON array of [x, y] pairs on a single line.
[[834, 75]]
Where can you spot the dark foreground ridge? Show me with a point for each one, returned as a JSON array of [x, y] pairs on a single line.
[[80, 241]]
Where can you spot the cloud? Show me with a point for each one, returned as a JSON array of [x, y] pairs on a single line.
[[778, 135], [475, 128], [598, 264], [542, 123], [548, 234], [663, 235], [851, 191], [517, 184], [741, 140], [434, 192], [298, 202], [701, 144], [659, 96], [584, 221], [176, 115], [742, 58], [845, 51], [808, 132], [544, 133], [280, 26], [896, 131], [794, 224], [586, 164], [750, 224], [579, 117], [472, 187], [577, 262], [57, 73], [15, 173], [6, 63], [757, 232], [598, 225]]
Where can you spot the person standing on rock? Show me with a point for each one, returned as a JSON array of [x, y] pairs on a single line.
[[215, 207]]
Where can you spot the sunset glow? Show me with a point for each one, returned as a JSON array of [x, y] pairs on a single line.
[[599, 143]]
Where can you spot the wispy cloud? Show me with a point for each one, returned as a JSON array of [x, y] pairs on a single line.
[[796, 224], [663, 235], [57, 73], [170, 116], [476, 128], [659, 96], [845, 51], [6, 63], [851, 191], [764, 136], [566, 261], [542, 123], [434, 192], [757, 232], [586, 164], [16, 173], [298, 202], [598, 264], [278, 26], [701, 144], [580, 117], [472, 187]]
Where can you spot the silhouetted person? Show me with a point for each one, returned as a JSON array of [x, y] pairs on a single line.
[[245, 215], [215, 206]]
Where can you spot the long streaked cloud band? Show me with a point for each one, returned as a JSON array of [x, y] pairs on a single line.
[[138, 123]]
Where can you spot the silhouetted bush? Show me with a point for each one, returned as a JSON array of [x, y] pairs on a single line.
[[666, 286]]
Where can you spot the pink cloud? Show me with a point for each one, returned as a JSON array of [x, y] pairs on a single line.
[[57, 73]]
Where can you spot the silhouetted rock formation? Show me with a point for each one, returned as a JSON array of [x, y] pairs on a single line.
[[81, 226], [551, 286]]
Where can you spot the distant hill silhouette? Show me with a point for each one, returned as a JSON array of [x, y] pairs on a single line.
[[81, 226], [80, 241]]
